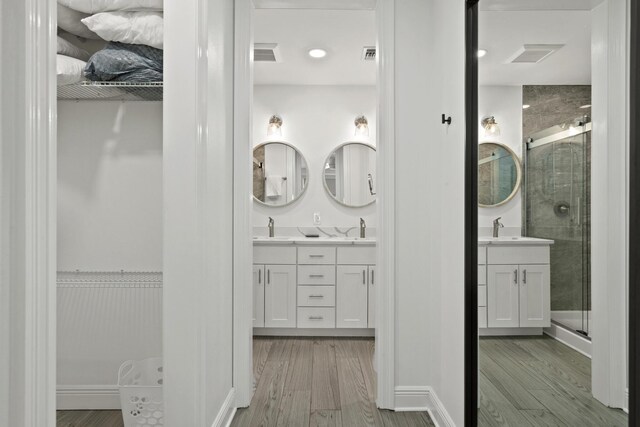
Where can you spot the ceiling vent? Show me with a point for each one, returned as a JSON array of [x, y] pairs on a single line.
[[266, 52], [533, 53], [368, 53]]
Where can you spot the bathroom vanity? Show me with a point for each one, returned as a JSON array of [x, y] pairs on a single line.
[[314, 286], [513, 285]]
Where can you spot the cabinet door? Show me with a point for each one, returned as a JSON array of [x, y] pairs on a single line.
[[371, 319], [351, 300], [534, 296], [280, 296], [502, 296], [258, 296]]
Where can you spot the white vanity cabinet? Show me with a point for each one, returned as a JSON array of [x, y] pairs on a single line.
[[517, 287], [355, 279], [275, 268], [299, 284]]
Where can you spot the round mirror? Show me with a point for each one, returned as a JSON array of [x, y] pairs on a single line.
[[499, 174], [350, 174], [280, 174]]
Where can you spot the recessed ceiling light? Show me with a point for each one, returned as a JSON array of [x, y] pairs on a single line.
[[586, 106], [525, 106], [481, 53], [317, 53]]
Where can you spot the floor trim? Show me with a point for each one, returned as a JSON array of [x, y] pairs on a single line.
[[422, 398], [227, 411], [75, 397], [570, 339]]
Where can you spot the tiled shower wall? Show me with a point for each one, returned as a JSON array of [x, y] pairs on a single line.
[[556, 173]]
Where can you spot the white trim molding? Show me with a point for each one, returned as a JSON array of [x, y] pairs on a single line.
[[242, 204], [92, 397], [609, 192], [386, 245], [422, 398], [227, 412], [28, 213]]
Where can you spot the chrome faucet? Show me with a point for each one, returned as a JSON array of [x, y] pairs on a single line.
[[363, 227], [497, 225], [271, 227]]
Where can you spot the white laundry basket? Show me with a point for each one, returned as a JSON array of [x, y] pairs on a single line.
[[140, 383]]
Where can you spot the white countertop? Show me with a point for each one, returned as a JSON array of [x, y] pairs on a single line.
[[513, 241], [341, 241]]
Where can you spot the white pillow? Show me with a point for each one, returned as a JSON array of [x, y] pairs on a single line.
[[66, 48], [128, 27], [69, 20], [96, 6], [69, 70]]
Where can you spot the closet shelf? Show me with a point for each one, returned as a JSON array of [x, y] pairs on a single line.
[[112, 91]]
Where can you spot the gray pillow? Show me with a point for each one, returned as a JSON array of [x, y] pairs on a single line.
[[125, 62]]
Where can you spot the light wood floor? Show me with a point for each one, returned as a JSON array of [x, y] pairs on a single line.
[[89, 419], [538, 381], [318, 382], [330, 382]]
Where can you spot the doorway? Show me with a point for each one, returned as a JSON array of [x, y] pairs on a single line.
[[562, 308]]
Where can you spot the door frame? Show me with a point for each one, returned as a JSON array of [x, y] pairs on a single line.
[[243, 230], [28, 165], [608, 377]]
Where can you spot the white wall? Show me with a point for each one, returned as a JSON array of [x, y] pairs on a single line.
[[316, 119], [505, 103], [430, 200], [109, 186]]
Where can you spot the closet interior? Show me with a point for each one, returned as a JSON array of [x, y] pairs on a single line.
[[109, 204]]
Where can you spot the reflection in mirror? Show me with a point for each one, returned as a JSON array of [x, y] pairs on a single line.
[[280, 174], [350, 174], [499, 174]]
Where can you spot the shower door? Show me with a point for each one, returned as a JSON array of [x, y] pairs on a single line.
[[557, 206]]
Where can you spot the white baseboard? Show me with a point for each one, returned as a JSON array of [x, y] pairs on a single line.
[[501, 332], [70, 397], [570, 339], [313, 332], [227, 412], [422, 398]]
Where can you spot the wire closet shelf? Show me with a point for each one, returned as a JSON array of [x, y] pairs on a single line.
[[112, 91], [109, 279]]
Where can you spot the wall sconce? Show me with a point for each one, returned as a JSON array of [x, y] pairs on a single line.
[[362, 126], [275, 124], [490, 126]]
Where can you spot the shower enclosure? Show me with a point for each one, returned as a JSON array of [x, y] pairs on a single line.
[[557, 193]]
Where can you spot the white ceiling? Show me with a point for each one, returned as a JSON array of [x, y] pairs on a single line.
[[503, 33], [342, 33]]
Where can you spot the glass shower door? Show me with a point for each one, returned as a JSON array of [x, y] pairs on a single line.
[[557, 205]]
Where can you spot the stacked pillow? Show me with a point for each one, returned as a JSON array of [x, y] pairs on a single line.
[[134, 29], [70, 62]]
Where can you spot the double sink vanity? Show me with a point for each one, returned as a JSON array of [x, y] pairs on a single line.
[[314, 286]]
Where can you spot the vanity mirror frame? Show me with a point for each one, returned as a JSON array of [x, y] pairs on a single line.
[[304, 189], [324, 182], [518, 184]]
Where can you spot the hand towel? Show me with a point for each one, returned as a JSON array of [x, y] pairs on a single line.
[[273, 186]]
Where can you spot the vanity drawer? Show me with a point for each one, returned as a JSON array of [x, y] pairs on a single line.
[[316, 275], [518, 255], [316, 296], [316, 317], [482, 275], [274, 255], [482, 255], [316, 255], [482, 296], [482, 317], [357, 255]]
